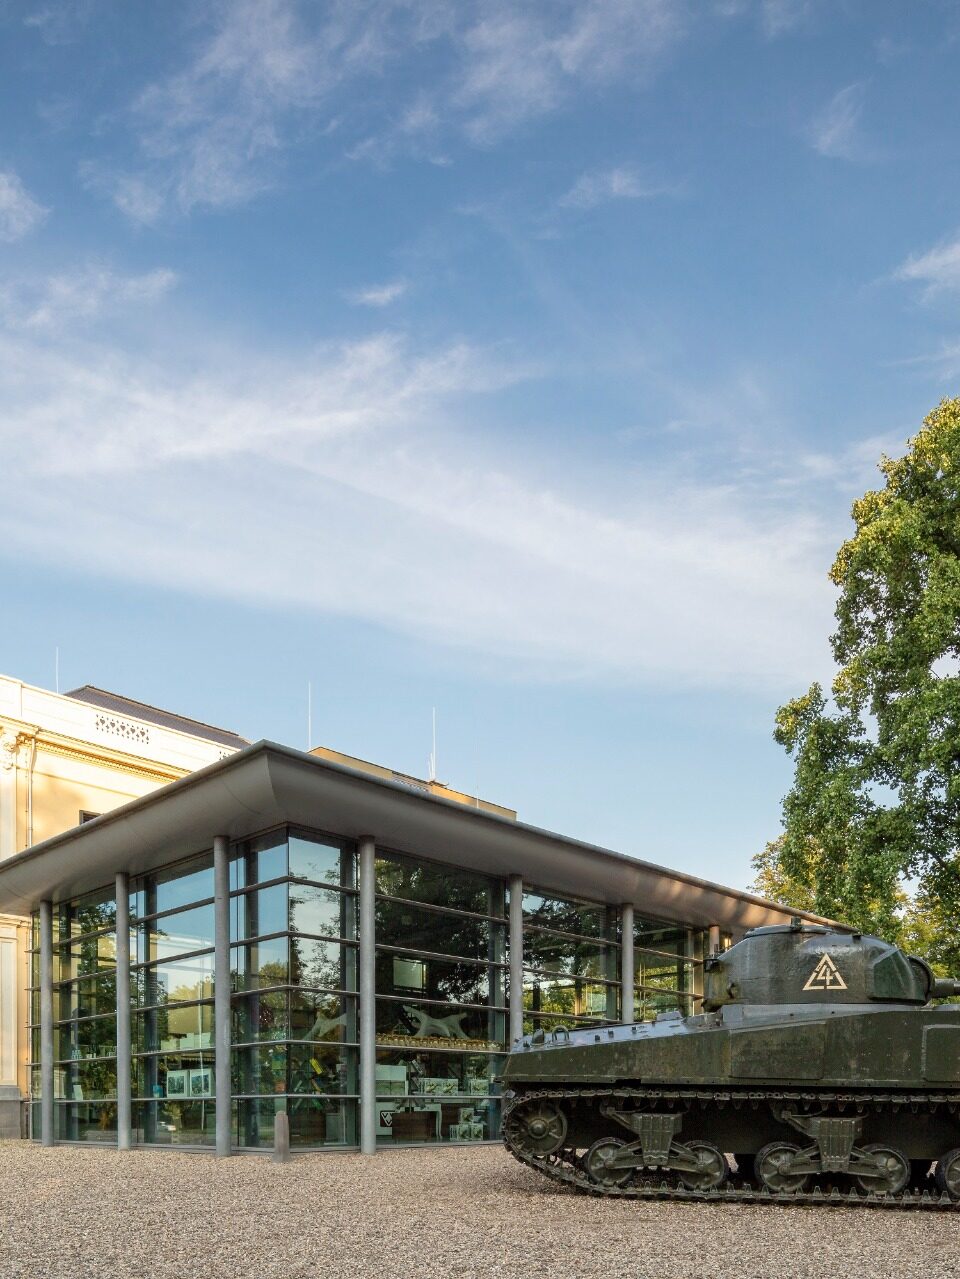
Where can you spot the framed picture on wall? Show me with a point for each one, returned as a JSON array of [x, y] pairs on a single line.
[[178, 1083], [200, 1081]]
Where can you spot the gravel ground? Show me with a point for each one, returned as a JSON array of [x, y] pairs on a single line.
[[435, 1214]]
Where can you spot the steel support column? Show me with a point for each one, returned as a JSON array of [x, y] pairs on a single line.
[[123, 1013], [516, 958], [626, 962], [368, 1008], [46, 1024], [221, 991], [714, 939]]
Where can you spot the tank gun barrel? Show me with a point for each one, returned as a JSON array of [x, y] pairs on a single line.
[[945, 987]]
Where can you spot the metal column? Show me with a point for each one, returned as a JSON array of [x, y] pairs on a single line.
[[626, 962], [221, 990], [516, 958], [46, 1023], [368, 1008], [123, 1012]]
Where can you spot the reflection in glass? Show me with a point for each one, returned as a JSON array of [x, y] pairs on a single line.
[[181, 886], [260, 912], [399, 923], [176, 934], [322, 963], [172, 1122], [261, 963], [319, 910], [84, 1122], [315, 860], [178, 980]]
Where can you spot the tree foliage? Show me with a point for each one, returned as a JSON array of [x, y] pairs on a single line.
[[875, 799]]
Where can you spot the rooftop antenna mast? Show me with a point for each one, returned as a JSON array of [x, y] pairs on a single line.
[[309, 715], [56, 668], [432, 762]]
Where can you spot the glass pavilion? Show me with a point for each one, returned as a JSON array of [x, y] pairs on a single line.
[[363, 985]]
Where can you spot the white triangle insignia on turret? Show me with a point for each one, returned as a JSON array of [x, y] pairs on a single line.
[[825, 976]]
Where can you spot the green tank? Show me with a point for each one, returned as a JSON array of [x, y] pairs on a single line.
[[819, 1066]]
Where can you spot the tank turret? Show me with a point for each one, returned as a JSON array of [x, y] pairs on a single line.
[[809, 964], [818, 1061]]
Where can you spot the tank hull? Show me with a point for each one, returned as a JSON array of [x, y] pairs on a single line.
[[742, 1081]]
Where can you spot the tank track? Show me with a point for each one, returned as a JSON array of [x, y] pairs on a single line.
[[564, 1165]]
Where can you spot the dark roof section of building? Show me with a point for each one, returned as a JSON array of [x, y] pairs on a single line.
[[266, 785], [154, 715]]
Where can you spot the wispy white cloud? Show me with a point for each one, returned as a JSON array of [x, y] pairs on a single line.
[[780, 17], [835, 131], [521, 62], [624, 182], [20, 213], [367, 456], [268, 72], [938, 269], [378, 294], [86, 293]]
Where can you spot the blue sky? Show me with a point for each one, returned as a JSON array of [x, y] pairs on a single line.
[[520, 360]]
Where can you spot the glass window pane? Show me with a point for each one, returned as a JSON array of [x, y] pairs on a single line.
[[437, 885], [175, 1027], [323, 1017], [82, 958], [400, 923], [86, 997], [314, 859], [262, 963], [314, 1121], [261, 1016], [263, 859], [565, 915], [260, 912], [322, 963], [403, 1072], [441, 979], [178, 980], [323, 911], [176, 934], [86, 1081], [569, 955], [574, 999], [176, 1076], [84, 1039], [97, 1122], [439, 1025], [172, 1122], [181, 886]]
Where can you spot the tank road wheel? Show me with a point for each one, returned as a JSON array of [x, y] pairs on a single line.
[[539, 1129], [711, 1171], [947, 1175], [771, 1167], [598, 1161], [894, 1174]]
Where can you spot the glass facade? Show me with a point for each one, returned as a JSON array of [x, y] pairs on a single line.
[[441, 1014], [441, 981], [668, 969], [571, 962]]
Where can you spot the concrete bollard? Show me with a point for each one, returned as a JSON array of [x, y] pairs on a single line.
[[281, 1138]]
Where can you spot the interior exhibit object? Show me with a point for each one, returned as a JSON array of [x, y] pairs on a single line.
[[823, 1062]]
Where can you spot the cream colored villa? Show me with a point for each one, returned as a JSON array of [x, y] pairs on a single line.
[[65, 759]]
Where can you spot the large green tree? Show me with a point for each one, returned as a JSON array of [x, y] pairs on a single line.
[[875, 801]]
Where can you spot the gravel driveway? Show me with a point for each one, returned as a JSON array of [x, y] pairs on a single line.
[[440, 1214]]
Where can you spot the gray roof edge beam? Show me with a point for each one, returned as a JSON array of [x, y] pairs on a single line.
[[266, 784]]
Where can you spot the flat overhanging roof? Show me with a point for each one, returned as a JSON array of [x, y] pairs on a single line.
[[266, 784]]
